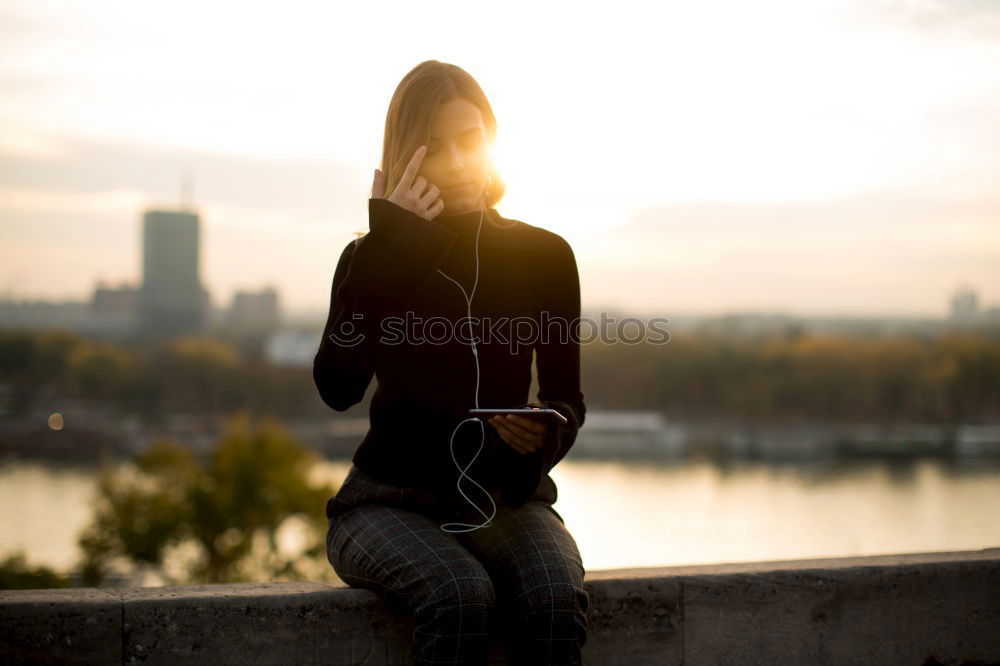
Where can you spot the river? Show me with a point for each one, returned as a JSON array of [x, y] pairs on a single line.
[[648, 514]]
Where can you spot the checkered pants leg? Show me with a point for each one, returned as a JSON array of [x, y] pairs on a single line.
[[524, 567]]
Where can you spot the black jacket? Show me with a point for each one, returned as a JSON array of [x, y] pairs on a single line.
[[396, 316]]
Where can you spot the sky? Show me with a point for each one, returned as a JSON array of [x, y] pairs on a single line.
[[830, 157]]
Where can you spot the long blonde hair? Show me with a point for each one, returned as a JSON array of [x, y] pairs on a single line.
[[411, 110]]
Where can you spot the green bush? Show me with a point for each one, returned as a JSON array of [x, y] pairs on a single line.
[[15, 574], [213, 521]]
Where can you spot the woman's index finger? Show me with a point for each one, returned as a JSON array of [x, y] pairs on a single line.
[[413, 167]]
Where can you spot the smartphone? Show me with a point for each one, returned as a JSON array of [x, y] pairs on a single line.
[[545, 412]]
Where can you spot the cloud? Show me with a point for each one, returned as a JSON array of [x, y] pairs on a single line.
[[955, 19], [50, 166], [878, 252]]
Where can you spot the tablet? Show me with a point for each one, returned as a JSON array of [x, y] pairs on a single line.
[[545, 412]]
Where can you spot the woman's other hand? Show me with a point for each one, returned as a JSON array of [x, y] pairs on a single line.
[[523, 434], [412, 191]]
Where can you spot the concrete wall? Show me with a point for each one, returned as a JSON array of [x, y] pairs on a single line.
[[926, 608]]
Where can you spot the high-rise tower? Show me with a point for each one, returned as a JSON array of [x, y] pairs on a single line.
[[172, 300]]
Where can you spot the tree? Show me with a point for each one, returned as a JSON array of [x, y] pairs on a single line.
[[219, 520], [16, 574]]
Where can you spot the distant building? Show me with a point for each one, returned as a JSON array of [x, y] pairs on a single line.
[[110, 313], [965, 310], [113, 310], [172, 299], [964, 304], [293, 347], [39, 314], [254, 311], [119, 302]]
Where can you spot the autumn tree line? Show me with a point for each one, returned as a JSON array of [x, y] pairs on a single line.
[[949, 377]]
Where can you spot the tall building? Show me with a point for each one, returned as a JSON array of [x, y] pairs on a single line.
[[172, 300]]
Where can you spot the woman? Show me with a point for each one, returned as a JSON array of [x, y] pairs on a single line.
[[402, 309]]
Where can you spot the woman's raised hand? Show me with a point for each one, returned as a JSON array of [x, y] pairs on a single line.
[[412, 191]]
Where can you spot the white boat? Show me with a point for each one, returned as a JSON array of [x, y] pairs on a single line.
[[627, 433]]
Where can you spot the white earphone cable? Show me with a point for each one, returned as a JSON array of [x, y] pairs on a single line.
[[482, 432]]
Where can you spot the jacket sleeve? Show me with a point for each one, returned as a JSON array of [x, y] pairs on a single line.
[[557, 355], [377, 276]]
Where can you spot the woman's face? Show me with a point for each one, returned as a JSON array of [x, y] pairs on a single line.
[[458, 155]]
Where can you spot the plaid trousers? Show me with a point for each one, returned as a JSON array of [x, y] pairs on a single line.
[[525, 565]]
